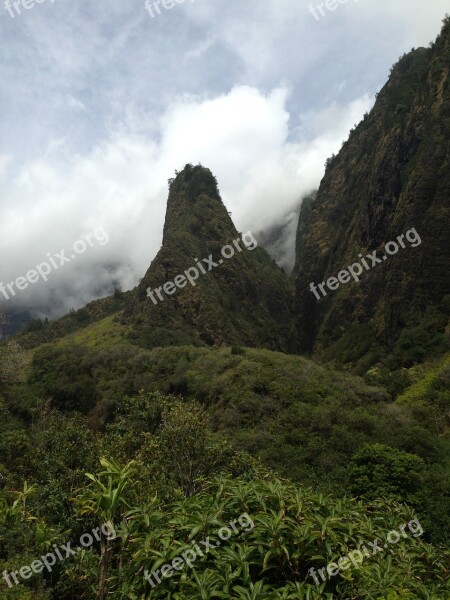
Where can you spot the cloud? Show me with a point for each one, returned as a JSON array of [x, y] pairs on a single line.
[[117, 62], [100, 103], [4, 161], [121, 185]]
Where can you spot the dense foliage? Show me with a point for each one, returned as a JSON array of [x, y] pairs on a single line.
[[391, 175], [158, 428], [166, 500]]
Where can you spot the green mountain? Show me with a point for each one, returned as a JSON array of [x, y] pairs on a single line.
[[230, 292], [181, 414], [391, 177]]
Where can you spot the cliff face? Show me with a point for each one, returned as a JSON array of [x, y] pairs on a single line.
[[392, 175], [243, 297]]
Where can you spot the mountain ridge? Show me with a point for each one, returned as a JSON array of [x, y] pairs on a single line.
[[393, 174], [246, 299]]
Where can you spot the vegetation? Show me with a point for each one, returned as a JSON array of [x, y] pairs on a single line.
[[245, 300], [391, 175], [181, 487], [180, 467], [159, 426]]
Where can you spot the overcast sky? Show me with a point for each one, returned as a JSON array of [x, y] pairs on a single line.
[[100, 103]]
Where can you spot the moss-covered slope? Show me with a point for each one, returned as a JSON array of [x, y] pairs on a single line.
[[244, 299], [392, 175]]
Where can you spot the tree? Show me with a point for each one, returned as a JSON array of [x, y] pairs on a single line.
[[379, 471], [106, 498], [66, 376], [329, 160], [186, 446], [172, 443], [10, 358]]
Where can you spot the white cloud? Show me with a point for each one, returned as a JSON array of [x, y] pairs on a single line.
[[4, 162], [122, 186], [100, 103], [75, 104]]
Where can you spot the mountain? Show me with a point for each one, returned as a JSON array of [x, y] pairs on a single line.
[[209, 284], [391, 179], [135, 414]]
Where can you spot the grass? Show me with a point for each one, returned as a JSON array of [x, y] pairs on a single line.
[[102, 334]]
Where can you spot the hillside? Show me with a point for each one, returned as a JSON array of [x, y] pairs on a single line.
[[391, 177], [220, 416], [229, 292]]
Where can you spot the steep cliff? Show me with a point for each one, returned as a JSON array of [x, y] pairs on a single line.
[[242, 297], [391, 176]]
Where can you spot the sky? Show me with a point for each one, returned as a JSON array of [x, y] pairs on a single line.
[[102, 101]]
